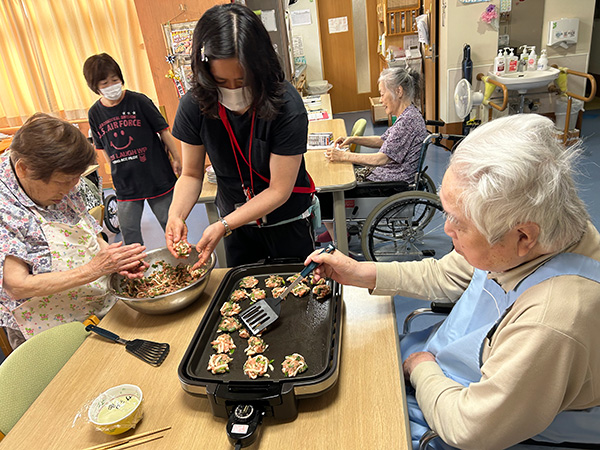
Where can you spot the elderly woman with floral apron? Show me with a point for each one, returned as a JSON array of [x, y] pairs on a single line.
[[53, 267]]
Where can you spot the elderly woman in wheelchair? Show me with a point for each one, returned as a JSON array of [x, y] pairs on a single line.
[[399, 147], [394, 208], [516, 362]]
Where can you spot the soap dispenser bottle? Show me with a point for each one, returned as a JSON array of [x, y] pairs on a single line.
[[523, 61], [532, 61], [543, 61], [513, 62], [499, 64]]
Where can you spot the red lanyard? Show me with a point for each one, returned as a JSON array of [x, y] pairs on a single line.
[[248, 192], [235, 146]]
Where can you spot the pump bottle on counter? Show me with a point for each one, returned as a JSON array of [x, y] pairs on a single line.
[[513, 62], [499, 64], [532, 61], [522, 66], [543, 61]]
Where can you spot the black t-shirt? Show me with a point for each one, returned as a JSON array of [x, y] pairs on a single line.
[[284, 135], [128, 133]]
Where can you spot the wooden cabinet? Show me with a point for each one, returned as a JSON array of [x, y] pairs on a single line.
[[395, 19], [401, 21]]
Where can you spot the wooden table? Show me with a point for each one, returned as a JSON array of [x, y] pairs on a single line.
[[365, 409], [328, 177], [336, 126]]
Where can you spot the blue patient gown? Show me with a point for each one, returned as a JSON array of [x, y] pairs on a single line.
[[457, 345]]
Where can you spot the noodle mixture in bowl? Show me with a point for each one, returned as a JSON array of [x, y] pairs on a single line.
[[168, 285]]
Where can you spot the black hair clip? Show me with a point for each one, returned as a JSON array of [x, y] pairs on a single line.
[[203, 57]]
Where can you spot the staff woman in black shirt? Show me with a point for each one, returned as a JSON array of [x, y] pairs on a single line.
[[253, 126]]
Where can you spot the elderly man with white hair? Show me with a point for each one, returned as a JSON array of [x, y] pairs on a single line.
[[519, 355]]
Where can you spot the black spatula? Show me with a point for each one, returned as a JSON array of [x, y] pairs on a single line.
[[264, 312], [154, 353]]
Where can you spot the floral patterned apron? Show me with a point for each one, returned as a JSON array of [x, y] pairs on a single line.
[[70, 246]]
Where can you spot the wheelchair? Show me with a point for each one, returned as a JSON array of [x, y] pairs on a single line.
[[103, 209], [110, 214], [398, 221]]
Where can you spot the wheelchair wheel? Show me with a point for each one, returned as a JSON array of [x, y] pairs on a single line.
[[406, 227], [110, 214]]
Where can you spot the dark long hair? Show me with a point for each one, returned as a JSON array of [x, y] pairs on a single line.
[[234, 31]]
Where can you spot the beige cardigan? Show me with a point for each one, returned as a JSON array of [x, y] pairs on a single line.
[[543, 358]]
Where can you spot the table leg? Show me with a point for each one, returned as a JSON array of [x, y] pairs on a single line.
[[213, 216], [339, 217]]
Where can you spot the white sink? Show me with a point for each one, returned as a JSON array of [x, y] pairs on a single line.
[[524, 81]]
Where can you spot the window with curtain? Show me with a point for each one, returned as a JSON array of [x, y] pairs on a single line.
[[44, 43]]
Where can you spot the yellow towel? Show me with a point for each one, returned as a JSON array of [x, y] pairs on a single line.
[[489, 90], [561, 81]]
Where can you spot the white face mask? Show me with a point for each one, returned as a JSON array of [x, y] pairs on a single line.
[[112, 92], [235, 99]]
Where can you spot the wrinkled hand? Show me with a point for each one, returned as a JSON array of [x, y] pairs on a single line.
[[208, 242], [175, 231], [118, 258], [413, 361], [334, 155], [342, 142], [137, 272], [342, 269]]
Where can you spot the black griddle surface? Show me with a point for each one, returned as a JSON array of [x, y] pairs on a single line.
[[305, 326]]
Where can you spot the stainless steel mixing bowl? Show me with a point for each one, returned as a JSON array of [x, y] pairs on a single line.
[[167, 303]]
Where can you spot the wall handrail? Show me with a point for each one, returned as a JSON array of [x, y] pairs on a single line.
[[583, 75], [486, 79], [572, 95]]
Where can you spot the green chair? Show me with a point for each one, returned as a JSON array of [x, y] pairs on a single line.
[[358, 129], [30, 367]]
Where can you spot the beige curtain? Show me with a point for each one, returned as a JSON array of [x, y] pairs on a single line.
[[44, 43]]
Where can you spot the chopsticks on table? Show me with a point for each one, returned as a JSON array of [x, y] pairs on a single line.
[[130, 441]]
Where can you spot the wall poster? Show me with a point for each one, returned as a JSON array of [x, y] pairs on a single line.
[[178, 42]]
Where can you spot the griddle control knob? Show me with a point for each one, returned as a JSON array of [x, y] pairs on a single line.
[[243, 413], [243, 426]]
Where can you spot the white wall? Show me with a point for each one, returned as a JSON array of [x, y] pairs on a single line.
[[311, 39], [461, 24], [577, 56]]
